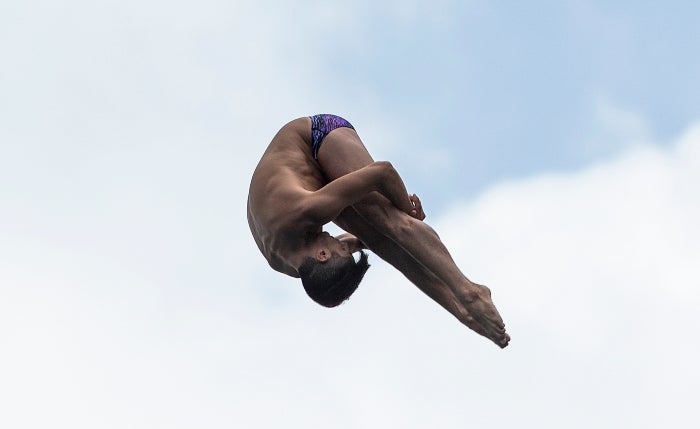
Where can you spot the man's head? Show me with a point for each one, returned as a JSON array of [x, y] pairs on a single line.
[[331, 275]]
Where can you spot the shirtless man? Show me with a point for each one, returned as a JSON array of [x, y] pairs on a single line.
[[316, 171]]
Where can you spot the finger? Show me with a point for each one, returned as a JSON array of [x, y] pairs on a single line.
[[417, 215], [419, 206], [415, 201]]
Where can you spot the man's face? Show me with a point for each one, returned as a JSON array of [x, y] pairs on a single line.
[[336, 246], [327, 245]]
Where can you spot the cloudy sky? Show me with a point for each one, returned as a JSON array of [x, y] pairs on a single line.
[[556, 146]]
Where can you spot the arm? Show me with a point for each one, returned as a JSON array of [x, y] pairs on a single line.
[[326, 204]]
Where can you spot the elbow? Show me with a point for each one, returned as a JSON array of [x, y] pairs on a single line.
[[386, 171], [383, 165]]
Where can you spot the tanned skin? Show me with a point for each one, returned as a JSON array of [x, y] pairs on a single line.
[[292, 195]]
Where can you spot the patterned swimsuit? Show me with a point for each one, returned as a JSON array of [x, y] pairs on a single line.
[[321, 125]]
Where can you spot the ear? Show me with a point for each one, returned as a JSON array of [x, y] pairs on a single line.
[[323, 255]]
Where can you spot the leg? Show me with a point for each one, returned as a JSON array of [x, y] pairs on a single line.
[[343, 152], [389, 251]]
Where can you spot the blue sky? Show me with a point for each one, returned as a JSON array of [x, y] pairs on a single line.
[[556, 146], [517, 86]]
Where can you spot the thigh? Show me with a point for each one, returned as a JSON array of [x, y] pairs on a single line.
[[342, 152]]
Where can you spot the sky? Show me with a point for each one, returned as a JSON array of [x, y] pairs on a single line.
[[556, 147]]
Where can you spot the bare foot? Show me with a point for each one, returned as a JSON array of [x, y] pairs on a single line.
[[466, 318], [481, 315]]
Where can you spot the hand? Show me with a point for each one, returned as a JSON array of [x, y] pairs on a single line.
[[417, 212], [392, 187], [354, 243]]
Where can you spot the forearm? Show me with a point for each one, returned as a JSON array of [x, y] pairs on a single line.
[[326, 204]]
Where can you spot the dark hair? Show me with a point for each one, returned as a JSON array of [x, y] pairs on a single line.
[[332, 282]]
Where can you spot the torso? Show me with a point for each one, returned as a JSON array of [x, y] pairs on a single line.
[[286, 173]]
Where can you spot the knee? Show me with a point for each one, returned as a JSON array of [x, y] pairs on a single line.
[[405, 224], [387, 219], [394, 223]]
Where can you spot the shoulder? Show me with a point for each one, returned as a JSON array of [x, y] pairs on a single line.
[[281, 266]]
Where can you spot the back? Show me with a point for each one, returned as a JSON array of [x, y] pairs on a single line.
[[286, 172]]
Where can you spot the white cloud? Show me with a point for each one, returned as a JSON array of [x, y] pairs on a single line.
[[599, 268]]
